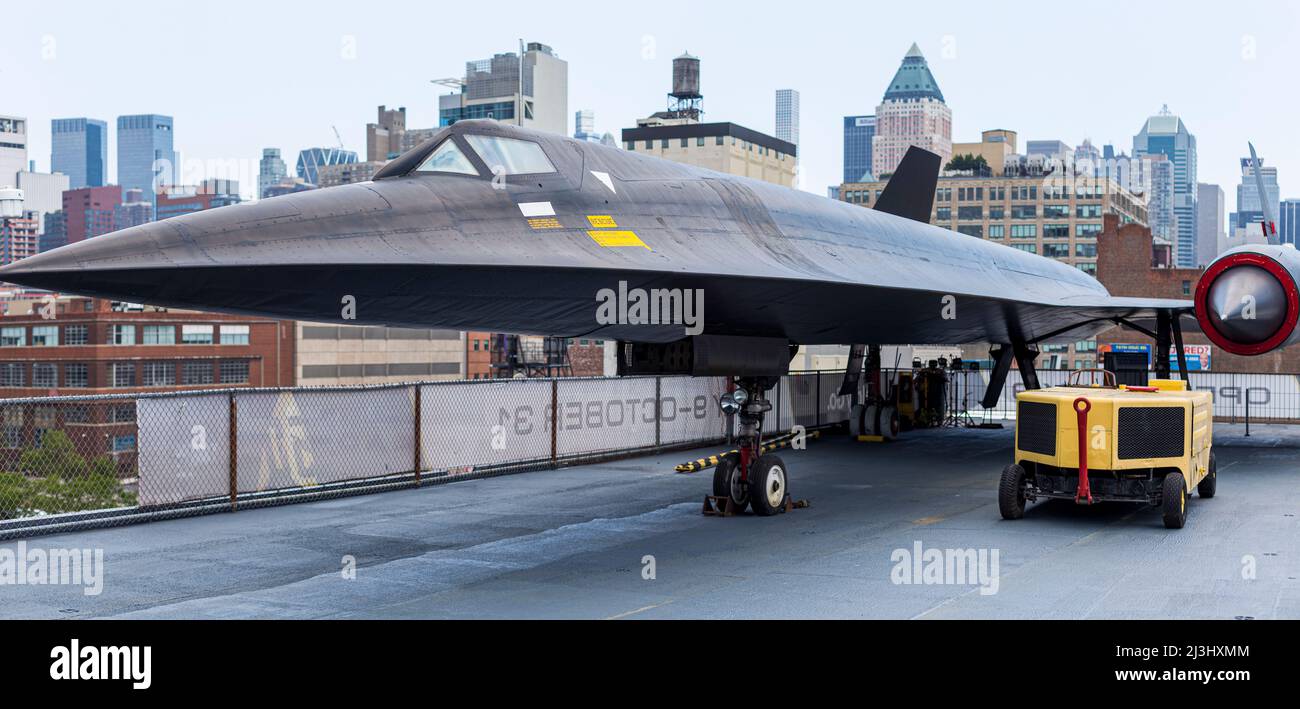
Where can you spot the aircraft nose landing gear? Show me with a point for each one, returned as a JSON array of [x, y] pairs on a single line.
[[751, 478]]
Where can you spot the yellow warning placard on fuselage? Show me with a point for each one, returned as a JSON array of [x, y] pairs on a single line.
[[544, 223], [602, 221], [616, 238]]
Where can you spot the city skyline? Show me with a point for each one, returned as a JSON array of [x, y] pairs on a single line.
[[1227, 70]]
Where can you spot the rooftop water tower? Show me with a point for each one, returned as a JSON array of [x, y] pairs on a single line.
[[685, 100], [11, 202]]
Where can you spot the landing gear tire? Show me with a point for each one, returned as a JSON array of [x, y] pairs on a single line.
[[1011, 492], [768, 485], [855, 421], [1210, 482], [727, 483], [889, 423], [1174, 501]]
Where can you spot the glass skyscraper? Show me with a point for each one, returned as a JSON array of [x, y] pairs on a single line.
[[787, 115], [80, 151], [1288, 222], [146, 159], [311, 159], [271, 171], [1165, 133], [858, 132]]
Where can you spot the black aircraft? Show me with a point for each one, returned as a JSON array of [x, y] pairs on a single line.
[[497, 228]]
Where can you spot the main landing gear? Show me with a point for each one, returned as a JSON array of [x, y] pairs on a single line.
[[751, 478]]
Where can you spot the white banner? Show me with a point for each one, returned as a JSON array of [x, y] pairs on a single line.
[[305, 438], [470, 424], [184, 448]]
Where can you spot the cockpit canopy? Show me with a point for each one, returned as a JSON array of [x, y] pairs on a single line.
[[479, 154]]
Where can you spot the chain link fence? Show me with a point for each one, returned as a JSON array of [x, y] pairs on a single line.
[[77, 462]]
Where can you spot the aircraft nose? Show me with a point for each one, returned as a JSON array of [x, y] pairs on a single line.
[[59, 268]]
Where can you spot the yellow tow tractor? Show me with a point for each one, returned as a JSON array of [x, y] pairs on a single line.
[[1147, 444]]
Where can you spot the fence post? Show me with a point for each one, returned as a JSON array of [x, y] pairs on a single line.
[[555, 422], [418, 444], [659, 412], [234, 454], [817, 403]]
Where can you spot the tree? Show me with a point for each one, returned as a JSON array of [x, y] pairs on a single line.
[[974, 163], [55, 457]]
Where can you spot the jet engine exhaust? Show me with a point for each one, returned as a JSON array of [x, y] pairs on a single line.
[[1247, 301]]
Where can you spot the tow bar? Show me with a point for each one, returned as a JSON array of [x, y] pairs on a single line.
[[1083, 495]]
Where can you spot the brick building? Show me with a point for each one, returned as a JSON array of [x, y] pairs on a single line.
[[1130, 264]]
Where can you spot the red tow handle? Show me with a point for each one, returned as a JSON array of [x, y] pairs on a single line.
[[1084, 493]]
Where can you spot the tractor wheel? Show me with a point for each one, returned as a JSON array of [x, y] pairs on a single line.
[[1011, 492], [1210, 482], [1174, 500]]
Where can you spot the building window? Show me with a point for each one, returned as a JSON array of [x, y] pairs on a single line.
[[649, 145], [1056, 250], [1027, 248], [123, 444], [76, 375], [1090, 251], [159, 334], [122, 374], [45, 374], [699, 142], [1056, 231], [997, 231], [234, 371], [631, 145], [75, 335], [234, 334], [1085, 346], [122, 414], [1056, 211], [1024, 211], [1088, 211], [158, 374], [663, 142], [196, 373], [683, 142], [196, 334], [1024, 231], [719, 140], [1087, 229], [1088, 268], [970, 213], [943, 214], [13, 374], [121, 335], [975, 230], [1187, 285], [45, 336], [13, 337]]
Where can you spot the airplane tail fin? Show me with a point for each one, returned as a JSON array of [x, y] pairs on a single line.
[[910, 192], [1268, 225]]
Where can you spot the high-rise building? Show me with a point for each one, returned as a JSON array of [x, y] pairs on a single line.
[[1156, 179], [133, 211], [13, 149], [858, 133], [19, 237], [270, 171], [912, 112], [1250, 209], [787, 115], [1035, 213], [1288, 222], [1165, 133], [43, 192], [55, 233], [532, 91], [89, 211], [384, 139], [584, 126], [146, 158], [80, 150], [178, 200], [1209, 223], [347, 173], [311, 159]]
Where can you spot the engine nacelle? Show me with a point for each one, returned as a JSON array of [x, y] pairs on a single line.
[[1247, 301]]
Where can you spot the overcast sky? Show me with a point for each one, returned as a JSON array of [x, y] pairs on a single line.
[[239, 76]]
